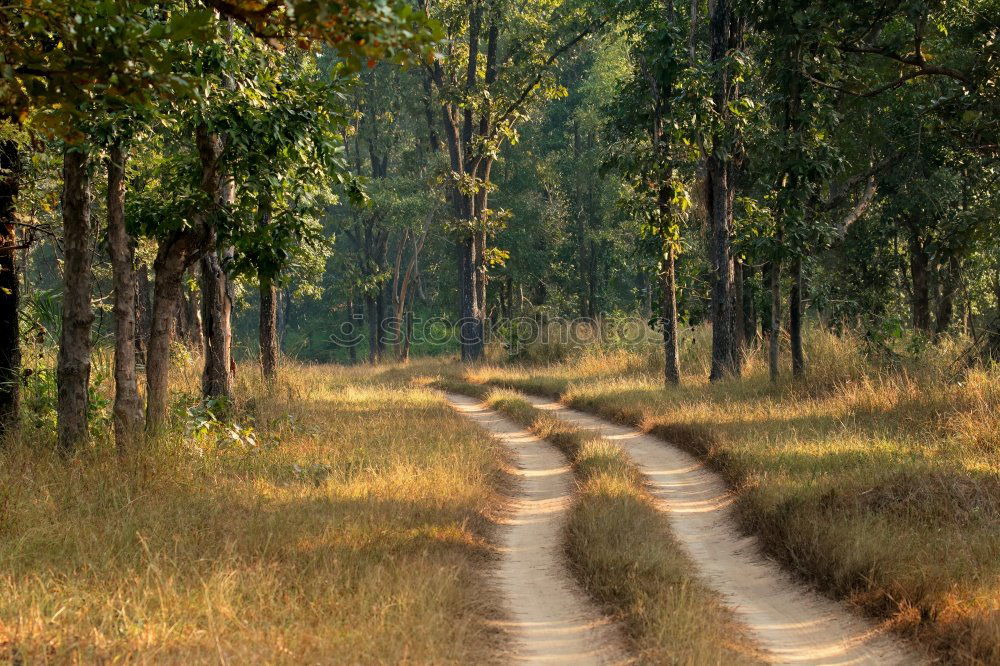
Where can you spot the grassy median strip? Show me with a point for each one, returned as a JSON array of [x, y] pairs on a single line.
[[622, 550]]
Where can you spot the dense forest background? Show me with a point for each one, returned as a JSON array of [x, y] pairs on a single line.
[[457, 167]]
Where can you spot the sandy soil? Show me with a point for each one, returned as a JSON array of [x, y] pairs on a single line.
[[792, 622], [551, 620]]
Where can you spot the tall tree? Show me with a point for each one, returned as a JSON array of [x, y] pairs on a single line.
[[128, 412], [73, 375]]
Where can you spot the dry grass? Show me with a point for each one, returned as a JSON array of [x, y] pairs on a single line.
[[351, 531], [880, 484], [623, 551]]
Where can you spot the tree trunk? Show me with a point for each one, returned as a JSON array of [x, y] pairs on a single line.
[[795, 320], [740, 335], [128, 404], [946, 302], [143, 315], [404, 355], [268, 328], [352, 349], [720, 198], [993, 333], [920, 300], [10, 342], [471, 329], [216, 303], [671, 357], [749, 306], [374, 329], [73, 371], [176, 253], [190, 312], [774, 332], [216, 309], [722, 272]]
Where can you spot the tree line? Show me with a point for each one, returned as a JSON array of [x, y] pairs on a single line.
[[737, 162]]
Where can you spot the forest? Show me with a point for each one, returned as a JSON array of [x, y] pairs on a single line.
[[484, 331]]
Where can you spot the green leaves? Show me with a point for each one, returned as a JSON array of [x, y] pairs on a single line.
[[196, 24]]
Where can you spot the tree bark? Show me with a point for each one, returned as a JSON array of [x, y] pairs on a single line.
[[720, 198], [671, 356], [404, 355], [128, 404], [946, 302], [10, 295], [749, 305], [993, 333], [190, 311], [352, 349], [216, 304], [920, 301], [176, 253], [740, 334], [217, 307], [372, 314], [143, 315], [795, 320], [73, 371], [774, 332], [268, 328]]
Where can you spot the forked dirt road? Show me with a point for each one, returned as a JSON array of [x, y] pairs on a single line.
[[551, 620], [793, 623]]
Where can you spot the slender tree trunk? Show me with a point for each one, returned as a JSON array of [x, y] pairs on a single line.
[[10, 342], [920, 299], [128, 404], [993, 333], [749, 305], [168, 269], [404, 355], [795, 320], [671, 356], [720, 197], [774, 332], [471, 332], [144, 310], [190, 311], [946, 302], [722, 273], [217, 380], [268, 328], [740, 335], [349, 328], [73, 372], [371, 315], [216, 309]]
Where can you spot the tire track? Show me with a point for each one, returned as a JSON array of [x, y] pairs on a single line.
[[793, 623], [551, 619]]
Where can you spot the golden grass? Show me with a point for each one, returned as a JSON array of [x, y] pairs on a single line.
[[353, 530], [622, 549], [880, 484]]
